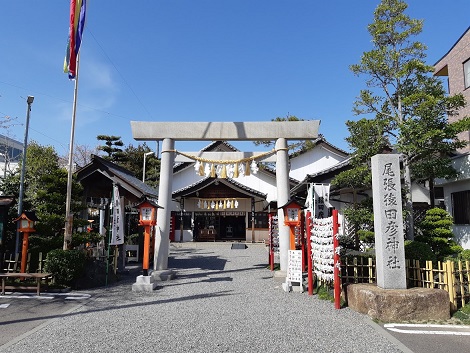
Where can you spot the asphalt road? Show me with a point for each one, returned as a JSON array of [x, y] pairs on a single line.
[[21, 313], [422, 338]]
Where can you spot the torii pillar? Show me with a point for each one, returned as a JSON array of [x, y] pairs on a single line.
[[283, 191], [168, 132], [162, 238]]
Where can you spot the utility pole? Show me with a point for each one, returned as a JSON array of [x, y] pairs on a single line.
[[29, 100], [145, 157]]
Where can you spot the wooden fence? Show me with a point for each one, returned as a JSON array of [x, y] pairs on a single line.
[[451, 276], [12, 263]]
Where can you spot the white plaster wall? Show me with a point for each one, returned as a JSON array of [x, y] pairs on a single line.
[[263, 182], [184, 178], [261, 236], [7, 168], [419, 193], [313, 161], [461, 183], [462, 165], [461, 232], [462, 235]]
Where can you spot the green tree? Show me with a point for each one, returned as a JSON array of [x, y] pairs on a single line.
[[436, 231], [134, 162], [294, 147], [398, 90], [426, 137], [366, 139], [112, 146], [45, 186]]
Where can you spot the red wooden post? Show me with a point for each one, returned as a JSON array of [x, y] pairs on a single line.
[[270, 257], [337, 262], [291, 237], [24, 252], [172, 228], [309, 254], [145, 262], [302, 240]]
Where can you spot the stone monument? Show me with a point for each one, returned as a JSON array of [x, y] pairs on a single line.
[[388, 222], [389, 300]]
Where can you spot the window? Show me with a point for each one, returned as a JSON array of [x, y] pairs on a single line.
[[461, 207], [466, 73], [261, 220], [438, 192]]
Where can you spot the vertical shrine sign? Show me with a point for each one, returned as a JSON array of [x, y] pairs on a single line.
[[294, 270], [388, 222]]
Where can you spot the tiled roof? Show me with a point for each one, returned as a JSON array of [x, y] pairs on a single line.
[[124, 175]]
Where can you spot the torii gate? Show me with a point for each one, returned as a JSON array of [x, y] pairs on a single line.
[[169, 132]]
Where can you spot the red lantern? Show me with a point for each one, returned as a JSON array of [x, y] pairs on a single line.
[[147, 213], [292, 218], [26, 226], [292, 213], [26, 222], [147, 218]]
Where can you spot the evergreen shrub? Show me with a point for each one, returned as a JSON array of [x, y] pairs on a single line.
[[416, 250], [67, 266], [436, 230], [465, 255]]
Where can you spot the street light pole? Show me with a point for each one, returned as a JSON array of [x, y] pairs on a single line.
[[29, 100], [145, 157]]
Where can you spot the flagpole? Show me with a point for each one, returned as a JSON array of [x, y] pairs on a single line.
[[68, 213]]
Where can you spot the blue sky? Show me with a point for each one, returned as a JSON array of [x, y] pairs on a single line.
[[195, 60]]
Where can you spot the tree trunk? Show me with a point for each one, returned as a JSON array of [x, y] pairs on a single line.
[[408, 201], [431, 193]]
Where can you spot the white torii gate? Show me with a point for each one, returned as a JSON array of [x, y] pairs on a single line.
[[169, 132]]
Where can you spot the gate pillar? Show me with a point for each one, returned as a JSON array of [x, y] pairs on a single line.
[[283, 189], [162, 238]]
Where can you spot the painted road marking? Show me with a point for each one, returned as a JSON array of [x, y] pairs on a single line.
[[4, 306], [418, 329], [66, 296], [25, 296], [75, 296], [78, 297]]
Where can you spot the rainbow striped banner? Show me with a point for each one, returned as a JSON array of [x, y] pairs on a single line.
[[77, 22]]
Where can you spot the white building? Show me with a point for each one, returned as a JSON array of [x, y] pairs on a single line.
[[10, 155], [455, 66], [236, 208], [456, 197]]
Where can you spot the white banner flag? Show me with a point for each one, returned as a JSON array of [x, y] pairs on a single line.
[[321, 200], [117, 230]]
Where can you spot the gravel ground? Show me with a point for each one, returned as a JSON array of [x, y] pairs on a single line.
[[222, 300]]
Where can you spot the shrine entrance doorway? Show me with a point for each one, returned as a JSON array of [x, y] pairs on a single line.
[[212, 226]]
